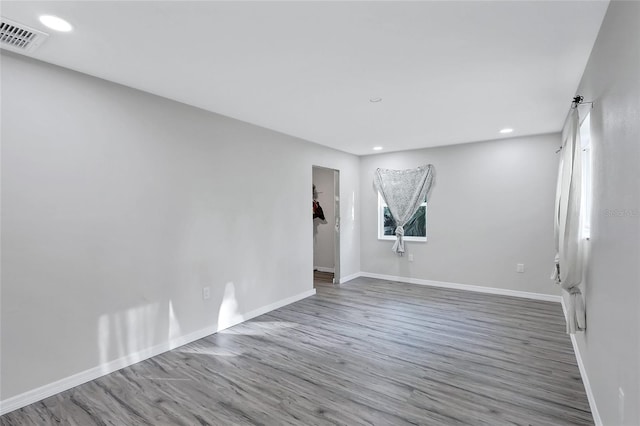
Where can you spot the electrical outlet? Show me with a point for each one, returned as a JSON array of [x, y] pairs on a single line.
[[621, 406], [410, 257], [520, 268], [206, 293]]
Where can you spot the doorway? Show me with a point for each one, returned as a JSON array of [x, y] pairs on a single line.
[[326, 226]]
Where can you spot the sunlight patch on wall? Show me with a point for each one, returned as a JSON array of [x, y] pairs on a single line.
[[353, 206], [128, 332], [174, 325], [228, 314]]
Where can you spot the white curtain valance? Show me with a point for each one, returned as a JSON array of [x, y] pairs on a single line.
[[567, 271], [403, 191]]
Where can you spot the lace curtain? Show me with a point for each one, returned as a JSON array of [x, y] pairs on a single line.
[[403, 191], [568, 264]]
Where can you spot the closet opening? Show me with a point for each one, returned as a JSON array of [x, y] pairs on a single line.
[[326, 226]]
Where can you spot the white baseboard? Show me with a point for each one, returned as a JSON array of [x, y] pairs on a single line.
[[350, 277], [324, 269], [583, 373], [67, 383], [467, 287]]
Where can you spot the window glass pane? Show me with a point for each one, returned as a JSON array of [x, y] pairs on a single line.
[[415, 227], [414, 230]]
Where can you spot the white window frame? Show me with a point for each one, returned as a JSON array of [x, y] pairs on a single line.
[[586, 196], [381, 236]]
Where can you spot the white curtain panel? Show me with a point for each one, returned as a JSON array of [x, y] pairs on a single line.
[[403, 191], [568, 268]]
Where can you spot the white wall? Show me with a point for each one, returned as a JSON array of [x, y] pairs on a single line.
[[324, 232], [119, 206], [491, 207], [610, 347]]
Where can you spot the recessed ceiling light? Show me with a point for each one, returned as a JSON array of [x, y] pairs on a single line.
[[507, 130], [377, 148], [55, 23], [375, 100]]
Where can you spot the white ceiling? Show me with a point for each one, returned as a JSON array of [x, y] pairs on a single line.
[[448, 72]]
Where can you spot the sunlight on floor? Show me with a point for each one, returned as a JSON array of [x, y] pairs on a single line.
[[209, 351], [261, 328]]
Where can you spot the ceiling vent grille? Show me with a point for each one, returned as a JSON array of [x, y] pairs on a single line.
[[18, 37]]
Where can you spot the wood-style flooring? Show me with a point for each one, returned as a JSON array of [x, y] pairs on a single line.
[[369, 352], [322, 278]]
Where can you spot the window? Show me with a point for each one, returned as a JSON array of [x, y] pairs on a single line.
[[585, 207], [414, 230]]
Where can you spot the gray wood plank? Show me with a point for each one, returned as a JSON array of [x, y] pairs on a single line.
[[369, 352]]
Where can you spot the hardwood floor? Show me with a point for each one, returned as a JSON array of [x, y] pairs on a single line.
[[322, 278], [366, 352]]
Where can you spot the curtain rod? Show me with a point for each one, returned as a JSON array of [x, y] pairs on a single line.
[[579, 100], [575, 103]]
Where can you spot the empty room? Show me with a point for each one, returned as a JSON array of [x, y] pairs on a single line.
[[471, 257]]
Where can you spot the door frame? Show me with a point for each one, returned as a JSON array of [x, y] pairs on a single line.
[[337, 221], [336, 226]]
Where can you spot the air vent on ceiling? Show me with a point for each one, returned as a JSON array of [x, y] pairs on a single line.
[[18, 37]]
